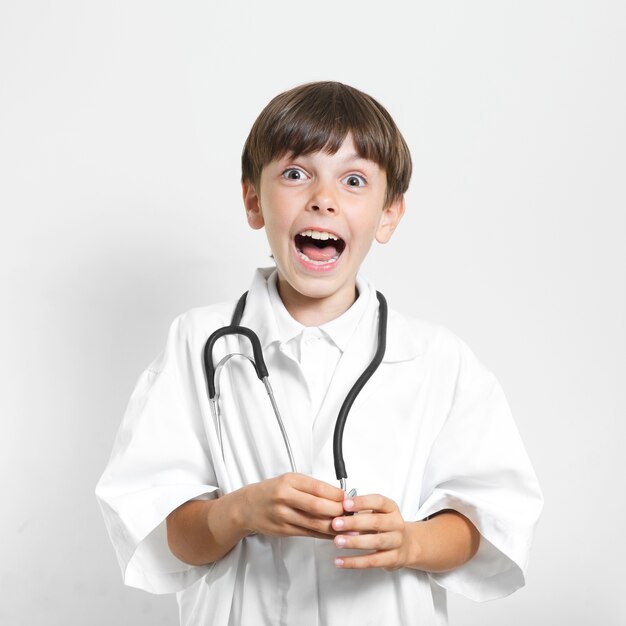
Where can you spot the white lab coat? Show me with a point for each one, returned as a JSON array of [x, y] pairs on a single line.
[[431, 430]]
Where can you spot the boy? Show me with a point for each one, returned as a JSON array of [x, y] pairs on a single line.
[[447, 497]]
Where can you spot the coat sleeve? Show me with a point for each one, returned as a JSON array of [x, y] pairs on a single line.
[[159, 461], [478, 466]]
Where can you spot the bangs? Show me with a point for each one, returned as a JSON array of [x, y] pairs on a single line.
[[323, 123], [318, 117]]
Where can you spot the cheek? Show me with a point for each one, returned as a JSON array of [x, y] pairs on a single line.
[[277, 228], [368, 228]]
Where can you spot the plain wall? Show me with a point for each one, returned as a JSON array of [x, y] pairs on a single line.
[[121, 127]]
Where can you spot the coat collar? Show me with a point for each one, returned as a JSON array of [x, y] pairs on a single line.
[[339, 330], [356, 325]]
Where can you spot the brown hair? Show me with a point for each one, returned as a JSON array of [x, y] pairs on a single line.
[[319, 116]]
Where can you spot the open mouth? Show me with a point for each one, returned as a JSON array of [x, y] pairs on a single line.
[[319, 247]]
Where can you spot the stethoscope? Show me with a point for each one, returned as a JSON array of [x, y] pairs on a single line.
[[213, 376]]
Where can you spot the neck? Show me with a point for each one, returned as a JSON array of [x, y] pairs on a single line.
[[311, 311]]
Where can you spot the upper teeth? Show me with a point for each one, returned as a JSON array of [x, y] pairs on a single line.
[[316, 234]]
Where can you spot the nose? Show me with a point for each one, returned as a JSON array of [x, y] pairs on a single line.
[[322, 199]]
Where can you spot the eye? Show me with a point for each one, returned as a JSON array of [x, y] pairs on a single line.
[[355, 180], [294, 173]]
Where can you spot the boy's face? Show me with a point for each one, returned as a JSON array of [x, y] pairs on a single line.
[[321, 213]]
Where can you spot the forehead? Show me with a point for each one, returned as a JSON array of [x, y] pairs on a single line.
[[347, 152]]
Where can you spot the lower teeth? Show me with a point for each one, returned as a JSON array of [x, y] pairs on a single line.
[[314, 262]]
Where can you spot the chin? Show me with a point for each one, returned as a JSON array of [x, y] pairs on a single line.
[[317, 292], [320, 288]]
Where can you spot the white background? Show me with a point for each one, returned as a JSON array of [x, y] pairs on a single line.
[[121, 127]]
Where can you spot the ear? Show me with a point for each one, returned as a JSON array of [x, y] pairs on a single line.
[[253, 208], [392, 215]]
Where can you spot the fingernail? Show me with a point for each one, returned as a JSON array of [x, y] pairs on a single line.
[[348, 504], [340, 541], [339, 562], [338, 523]]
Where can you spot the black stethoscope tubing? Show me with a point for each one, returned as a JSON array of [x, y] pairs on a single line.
[[261, 370]]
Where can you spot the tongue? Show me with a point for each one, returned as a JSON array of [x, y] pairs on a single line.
[[319, 254]]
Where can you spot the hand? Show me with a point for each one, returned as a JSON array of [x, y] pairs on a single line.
[[291, 505], [378, 526]]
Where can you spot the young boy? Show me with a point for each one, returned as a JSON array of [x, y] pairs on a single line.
[[447, 498]]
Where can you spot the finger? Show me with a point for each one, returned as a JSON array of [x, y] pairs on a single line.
[[292, 530], [378, 541], [315, 487], [385, 559], [314, 505], [370, 502], [310, 523], [294, 525], [367, 523], [302, 531]]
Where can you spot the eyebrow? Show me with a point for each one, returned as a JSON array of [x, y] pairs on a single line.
[[359, 159], [355, 156]]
